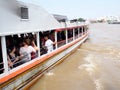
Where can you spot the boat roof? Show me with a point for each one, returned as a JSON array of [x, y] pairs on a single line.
[[11, 22]]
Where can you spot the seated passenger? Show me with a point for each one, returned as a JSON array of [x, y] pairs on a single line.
[[12, 57], [48, 44], [26, 51]]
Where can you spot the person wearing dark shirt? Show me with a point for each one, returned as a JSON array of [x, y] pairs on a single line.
[[12, 57]]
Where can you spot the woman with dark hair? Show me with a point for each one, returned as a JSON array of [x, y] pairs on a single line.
[[26, 51], [12, 57]]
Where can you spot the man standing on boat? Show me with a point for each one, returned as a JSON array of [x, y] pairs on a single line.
[[49, 44]]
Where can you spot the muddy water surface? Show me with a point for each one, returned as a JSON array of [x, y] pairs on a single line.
[[95, 65]]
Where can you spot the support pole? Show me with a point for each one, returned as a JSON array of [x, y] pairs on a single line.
[[78, 32], [56, 45], [73, 34], [66, 36], [38, 43], [82, 31], [4, 54]]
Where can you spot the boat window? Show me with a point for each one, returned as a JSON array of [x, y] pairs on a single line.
[[87, 28], [42, 43], [76, 33], [70, 35], [1, 59], [21, 48], [50, 35], [24, 13], [80, 31], [83, 30], [61, 38]]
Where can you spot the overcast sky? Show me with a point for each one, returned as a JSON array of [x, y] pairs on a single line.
[[80, 8]]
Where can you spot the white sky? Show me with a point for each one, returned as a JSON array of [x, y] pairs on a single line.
[[80, 8]]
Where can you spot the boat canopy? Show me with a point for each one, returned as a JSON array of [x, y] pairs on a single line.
[[18, 17]]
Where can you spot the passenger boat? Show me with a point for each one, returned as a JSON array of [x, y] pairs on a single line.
[[21, 20]]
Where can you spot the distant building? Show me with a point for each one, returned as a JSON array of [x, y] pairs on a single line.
[[60, 17], [109, 18]]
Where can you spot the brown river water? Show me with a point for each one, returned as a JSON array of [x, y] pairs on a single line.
[[95, 65]]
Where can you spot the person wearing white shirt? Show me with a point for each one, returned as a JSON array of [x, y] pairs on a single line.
[[26, 51], [49, 44]]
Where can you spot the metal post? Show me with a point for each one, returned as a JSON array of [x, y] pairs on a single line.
[[78, 32], [4, 54], [38, 43], [85, 29], [66, 36], [82, 30], [73, 34], [56, 45]]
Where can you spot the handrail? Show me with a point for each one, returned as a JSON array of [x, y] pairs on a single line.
[[1, 63], [40, 60], [2, 68], [68, 28], [60, 43], [64, 40]]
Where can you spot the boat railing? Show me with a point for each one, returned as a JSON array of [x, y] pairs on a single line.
[[71, 38], [61, 43], [1, 67]]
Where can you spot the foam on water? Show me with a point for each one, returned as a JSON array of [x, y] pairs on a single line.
[[94, 66]]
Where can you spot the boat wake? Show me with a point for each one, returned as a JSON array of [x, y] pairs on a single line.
[[102, 65]]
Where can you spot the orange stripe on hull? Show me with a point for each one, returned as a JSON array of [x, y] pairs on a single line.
[[44, 58]]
